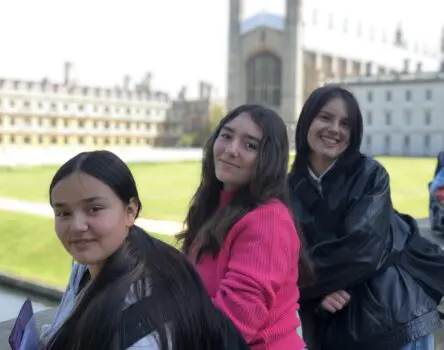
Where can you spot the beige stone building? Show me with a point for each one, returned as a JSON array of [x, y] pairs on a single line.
[[47, 113], [278, 61]]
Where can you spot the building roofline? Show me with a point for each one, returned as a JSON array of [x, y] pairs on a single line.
[[263, 19], [138, 92], [393, 78]]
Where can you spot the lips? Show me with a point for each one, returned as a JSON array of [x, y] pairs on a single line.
[[330, 141], [228, 163], [81, 241]]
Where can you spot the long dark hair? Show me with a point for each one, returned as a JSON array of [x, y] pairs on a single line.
[[205, 225], [315, 102], [311, 108], [143, 263]]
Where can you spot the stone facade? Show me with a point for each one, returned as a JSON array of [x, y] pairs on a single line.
[[278, 61], [47, 113], [402, 113], [67, 114]]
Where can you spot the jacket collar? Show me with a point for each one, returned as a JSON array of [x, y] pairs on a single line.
[[319, 178], [302, 184]]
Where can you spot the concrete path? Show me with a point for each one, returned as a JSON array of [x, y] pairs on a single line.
[[42, 209]]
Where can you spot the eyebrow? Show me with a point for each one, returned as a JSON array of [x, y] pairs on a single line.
[[86, 200], [332, 114], [248, 136]]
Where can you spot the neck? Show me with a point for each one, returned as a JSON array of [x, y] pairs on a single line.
[[229, 187], [93, 270], [319, 164], [225, 197]]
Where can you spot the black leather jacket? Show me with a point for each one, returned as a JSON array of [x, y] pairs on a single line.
[[359, 243]]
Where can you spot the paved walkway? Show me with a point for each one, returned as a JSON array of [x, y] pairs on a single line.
[[42, 209]]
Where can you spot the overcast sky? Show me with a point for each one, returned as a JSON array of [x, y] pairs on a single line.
[[180, 41]]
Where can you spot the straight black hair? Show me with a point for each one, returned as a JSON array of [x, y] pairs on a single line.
[[311, 108], [150, 267]]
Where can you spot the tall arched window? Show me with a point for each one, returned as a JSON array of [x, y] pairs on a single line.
[[406, 149], [264, 79]]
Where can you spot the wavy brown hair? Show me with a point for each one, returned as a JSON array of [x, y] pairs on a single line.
[[206, 224]]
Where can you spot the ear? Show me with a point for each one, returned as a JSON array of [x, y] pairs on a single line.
[[132, 211]]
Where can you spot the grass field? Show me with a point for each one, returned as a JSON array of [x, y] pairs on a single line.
[[409, 178], [165, 189], [30, 249]]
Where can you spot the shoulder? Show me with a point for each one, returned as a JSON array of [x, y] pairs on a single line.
[[269, 222], [270, 212], [371, 171], [440, 173], [67, 303], [370, 178], [371, 165], [264, 235], [77, 273]]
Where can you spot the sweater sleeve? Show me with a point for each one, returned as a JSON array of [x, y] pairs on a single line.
[[263, 254]]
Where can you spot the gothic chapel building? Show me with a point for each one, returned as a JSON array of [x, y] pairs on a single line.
[[278, 60]]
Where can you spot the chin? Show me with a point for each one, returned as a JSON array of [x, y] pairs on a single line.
[[225, 180], [223, 177], [85, 259], [330, 155]]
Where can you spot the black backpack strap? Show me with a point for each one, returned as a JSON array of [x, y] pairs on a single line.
[[134, 325]]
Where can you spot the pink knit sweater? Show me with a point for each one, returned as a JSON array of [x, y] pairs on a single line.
[[254, 277]]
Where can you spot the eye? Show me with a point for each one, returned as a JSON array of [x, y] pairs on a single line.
[[324, 117], [225, 135], [94, 209], [61, 214], [252, 146], [345, 124]]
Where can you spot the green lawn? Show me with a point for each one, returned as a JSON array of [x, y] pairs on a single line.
[[30, 249], [409, 178], [166, 188]]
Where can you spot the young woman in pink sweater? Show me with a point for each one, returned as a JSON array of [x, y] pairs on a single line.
[[240, 233]]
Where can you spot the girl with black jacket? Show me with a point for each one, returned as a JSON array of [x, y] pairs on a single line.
[[378, 281]]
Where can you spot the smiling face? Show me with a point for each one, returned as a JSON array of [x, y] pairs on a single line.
[[90, 220], [329, 133], [235, 151]]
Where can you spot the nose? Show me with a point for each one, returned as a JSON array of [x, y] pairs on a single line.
[[334, 126], [233, 148], [79, 223]]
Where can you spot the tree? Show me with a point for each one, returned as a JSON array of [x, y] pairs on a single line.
[[217, 112], [199, 137]]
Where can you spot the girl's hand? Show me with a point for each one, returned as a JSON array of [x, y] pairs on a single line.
[[335, 301]]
